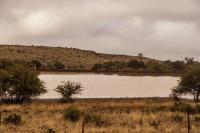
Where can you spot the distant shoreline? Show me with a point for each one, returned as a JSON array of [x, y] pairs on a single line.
[[126, 73], [159, 99]]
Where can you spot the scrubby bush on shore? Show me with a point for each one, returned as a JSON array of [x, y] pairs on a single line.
[[19, 83], [152, 66], [68, 89], [189, 84], [72, 114]]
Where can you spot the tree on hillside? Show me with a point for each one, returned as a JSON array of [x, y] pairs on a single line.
[[37, 63], [189, 61], [140, 54], [178, 66], [68, 89], [97, 66], [189, 84], [59, 65], [136, 64]]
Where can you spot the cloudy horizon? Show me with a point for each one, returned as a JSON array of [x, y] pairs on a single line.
[[158, 28]]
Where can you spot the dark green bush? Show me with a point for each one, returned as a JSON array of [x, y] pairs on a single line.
[[97, 66], [13, 119], [37, 63], [136, 64], [72, 114], [59, 65]]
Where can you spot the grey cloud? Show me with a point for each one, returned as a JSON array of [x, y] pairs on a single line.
[[158, 28]]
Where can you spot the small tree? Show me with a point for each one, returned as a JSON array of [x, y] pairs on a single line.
[[97, 66], [189, 84], [68, 89], [19, 84], [59, 65], [136, 64], [178, 66], [37, 63]]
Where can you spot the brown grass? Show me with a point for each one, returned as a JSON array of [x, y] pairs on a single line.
[[121, 116]]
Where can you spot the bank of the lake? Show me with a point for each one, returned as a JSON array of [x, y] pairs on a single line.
[[121, 73]]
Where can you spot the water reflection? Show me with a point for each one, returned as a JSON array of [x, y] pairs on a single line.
[[111, 86]]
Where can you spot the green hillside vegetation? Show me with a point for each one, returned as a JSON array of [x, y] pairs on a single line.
[[61, 57], [43, 58], [146, 67]]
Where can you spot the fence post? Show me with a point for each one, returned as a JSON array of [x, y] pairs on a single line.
[[0, 119], [83, 126], [188, 121], [141, 120]]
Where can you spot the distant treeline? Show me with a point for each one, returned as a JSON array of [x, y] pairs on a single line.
[[148, 67], [110, 66]]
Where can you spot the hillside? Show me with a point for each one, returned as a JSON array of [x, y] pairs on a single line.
[[70, 57]]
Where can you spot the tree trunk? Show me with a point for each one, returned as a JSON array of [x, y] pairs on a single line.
[[198, 96]]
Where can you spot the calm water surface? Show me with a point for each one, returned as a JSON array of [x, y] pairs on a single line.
[[111, 86]]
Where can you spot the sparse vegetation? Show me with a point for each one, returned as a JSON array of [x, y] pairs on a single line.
[[72, 114], [68, 89], [103, 115], [68, 57], [97, 120], [13, 119], [37, 64], [59, 65], [139, 66]]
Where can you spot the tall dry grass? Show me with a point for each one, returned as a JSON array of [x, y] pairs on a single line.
[[120, 116]]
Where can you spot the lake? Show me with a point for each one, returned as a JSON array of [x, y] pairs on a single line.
[[111, 86]]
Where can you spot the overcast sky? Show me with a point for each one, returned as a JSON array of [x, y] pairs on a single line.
[[162, 29]]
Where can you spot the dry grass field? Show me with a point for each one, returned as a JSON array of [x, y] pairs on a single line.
[[71, 57], [117, 116]]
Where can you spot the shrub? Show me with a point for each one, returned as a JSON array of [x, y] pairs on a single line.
[[94, 119], [13, 119], [68, 89], [97, 66], [155, 67], [136, 64], [197, 118], [177, 118], [37, 63], [72, 114], [59, 65], [154, 123], [4, 63], [178, 66]]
